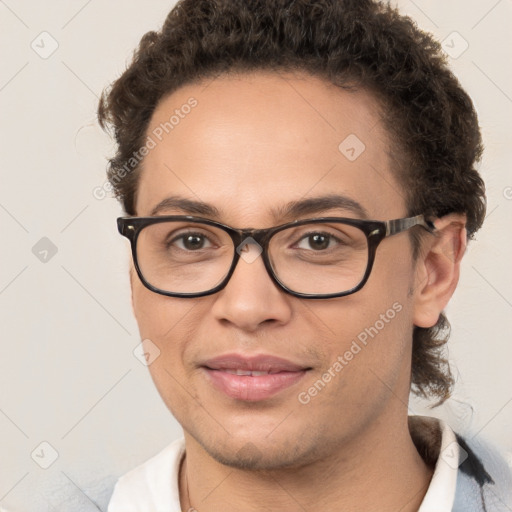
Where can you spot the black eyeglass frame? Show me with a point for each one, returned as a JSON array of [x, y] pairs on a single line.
[[375, 232]]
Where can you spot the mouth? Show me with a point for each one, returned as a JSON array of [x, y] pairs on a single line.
[[253, 378]]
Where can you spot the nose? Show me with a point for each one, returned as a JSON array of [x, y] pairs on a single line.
[[251, 298]]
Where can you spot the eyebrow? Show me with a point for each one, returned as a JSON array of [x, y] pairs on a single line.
[[288, 211]]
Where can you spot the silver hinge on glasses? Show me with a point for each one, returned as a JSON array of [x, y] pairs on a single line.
[[399, 225]]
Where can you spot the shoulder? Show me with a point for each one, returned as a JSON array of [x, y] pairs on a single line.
[[152, 486], [470, 473], [484, 476]]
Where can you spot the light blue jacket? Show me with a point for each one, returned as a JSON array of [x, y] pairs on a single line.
[[484, 480]]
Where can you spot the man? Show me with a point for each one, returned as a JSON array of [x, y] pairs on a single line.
[[299, 184]]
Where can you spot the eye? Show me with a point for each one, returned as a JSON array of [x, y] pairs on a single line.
[[318, 241], [191, 241]]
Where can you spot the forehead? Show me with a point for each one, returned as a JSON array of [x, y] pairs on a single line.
[[248, 142]]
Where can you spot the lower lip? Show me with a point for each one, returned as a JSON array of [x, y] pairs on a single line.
[[249, 388]]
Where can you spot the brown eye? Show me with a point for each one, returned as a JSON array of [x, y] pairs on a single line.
[[192, 241], [317, 241]]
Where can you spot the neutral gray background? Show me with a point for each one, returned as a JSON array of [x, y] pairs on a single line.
[[68, 375]]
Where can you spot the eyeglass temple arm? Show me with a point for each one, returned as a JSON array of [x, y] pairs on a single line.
[[398, 225]]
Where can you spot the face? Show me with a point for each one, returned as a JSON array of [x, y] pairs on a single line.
[[251, 145]]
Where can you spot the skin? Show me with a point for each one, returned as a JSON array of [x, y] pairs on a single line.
[[256, 141]]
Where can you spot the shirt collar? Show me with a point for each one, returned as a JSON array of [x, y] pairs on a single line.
[[440, 495]]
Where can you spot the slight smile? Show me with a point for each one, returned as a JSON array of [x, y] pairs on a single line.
[[252, 378]]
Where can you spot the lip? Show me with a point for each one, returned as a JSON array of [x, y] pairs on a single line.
[[279, 375]]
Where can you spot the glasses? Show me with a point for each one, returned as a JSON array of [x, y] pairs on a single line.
[[321, 258]]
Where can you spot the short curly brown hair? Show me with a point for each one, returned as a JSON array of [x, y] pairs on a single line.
[[349, 43]]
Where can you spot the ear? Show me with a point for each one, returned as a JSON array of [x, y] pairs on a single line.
[[438, 268]]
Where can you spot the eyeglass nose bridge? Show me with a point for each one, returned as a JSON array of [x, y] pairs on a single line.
[[259, 236], [258, 241], [250, 243]]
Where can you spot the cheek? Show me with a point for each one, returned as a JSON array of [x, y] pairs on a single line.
[[368, 363], [369, 346], [157, 314], [370, 332], [163, 321], [167, 323]]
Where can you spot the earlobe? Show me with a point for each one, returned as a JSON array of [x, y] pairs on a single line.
[[438, 268]]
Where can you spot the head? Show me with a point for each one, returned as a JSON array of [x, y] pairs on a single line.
[[249, 109]]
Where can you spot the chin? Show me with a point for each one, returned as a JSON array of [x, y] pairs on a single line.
[[261, 456]]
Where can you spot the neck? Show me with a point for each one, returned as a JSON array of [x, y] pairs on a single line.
[[379, 470]]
